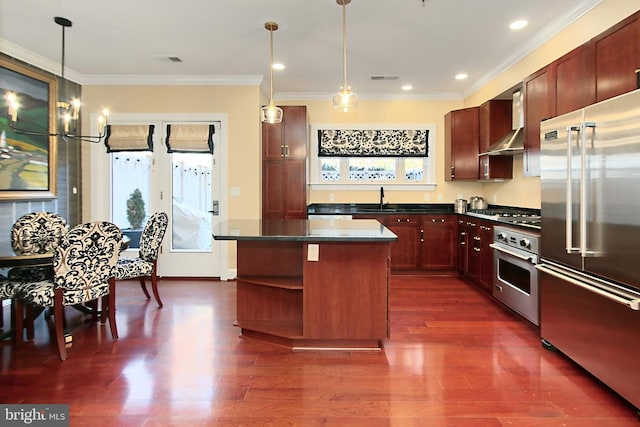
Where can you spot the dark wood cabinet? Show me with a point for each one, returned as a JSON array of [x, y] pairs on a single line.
[[461, 133], [438, 242], [485, 277], [286, 298], [404, 251], [463, 244], [475, 256], [284, 171], [575, 79], [425, 242], [473, 249], [495, 121], [617, 59], [539, 104]]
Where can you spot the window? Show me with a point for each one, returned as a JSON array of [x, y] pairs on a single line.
[[349, 155], [191, 184], [130, 199]]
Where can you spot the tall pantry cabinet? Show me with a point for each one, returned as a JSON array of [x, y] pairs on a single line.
[[284, 165]]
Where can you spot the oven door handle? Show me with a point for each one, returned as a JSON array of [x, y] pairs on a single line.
[[512, 253]]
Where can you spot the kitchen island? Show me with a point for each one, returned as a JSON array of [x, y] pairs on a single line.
[[312, 284]]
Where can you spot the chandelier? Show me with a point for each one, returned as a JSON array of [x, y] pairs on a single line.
[[68, 110]]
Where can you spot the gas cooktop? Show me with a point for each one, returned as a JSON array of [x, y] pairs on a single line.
[[516, 216]]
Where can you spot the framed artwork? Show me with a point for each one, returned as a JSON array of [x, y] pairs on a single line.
[[27, 162]]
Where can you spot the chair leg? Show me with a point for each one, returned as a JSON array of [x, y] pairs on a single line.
[[154, 287], [58, 318], [29, 319], [111, 308], [143, 286], [18, 321], [93, 306]]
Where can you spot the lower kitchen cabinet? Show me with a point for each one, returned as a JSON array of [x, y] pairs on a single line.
[[485, 278], [425, 242], [438, 249], [475, 261], [404, 251]]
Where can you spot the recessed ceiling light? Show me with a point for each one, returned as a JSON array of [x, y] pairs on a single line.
[[461, 76], [406, 87], [278, 66], [519, 24]]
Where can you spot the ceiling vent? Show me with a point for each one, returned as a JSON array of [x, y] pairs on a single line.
[[382, 77]]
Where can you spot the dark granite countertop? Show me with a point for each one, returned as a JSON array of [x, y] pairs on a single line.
[[374, 208], [417, 209], [303, 230]]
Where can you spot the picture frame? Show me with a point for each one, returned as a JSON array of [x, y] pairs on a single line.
[[27, 162]]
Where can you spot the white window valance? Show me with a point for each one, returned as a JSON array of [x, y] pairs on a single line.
[[373, 143], [190, 138], [129, 138]]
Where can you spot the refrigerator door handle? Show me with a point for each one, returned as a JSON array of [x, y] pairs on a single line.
[[611, 292], [569, 204], [584, 202]]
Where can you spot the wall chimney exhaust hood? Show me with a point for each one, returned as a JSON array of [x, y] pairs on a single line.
[[513, 142]]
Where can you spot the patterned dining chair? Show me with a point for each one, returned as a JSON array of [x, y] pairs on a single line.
[[144, 267], [32, 233], [84, 265]]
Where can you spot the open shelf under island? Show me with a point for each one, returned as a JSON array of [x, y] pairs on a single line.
[[312, 284]]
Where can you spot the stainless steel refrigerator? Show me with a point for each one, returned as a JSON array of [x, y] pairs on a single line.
[[590, 240]]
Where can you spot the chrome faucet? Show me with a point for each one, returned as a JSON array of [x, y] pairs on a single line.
[[381, 197]]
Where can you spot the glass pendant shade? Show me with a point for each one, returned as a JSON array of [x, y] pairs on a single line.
[[345, 100], [271, 114]]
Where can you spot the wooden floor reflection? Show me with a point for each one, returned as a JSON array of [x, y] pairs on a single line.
[[455, 358]]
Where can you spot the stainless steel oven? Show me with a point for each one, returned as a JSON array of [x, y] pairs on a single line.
[[515, 281]]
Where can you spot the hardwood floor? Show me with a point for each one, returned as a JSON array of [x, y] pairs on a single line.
[[455, 358]]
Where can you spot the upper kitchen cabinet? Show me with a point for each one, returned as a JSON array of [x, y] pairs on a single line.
[[617, 58], [284, 170], [461, 133], [575, 79], [495, 121], [539, 104]]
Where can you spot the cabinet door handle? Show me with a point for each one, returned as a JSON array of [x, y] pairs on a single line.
[[463, 234], [476, 249], [286, 151], [453, 171], [437, 220], [476, 238], [404, 220], [282, 151], [422, 235]]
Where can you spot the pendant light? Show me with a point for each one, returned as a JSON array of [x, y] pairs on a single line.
[[345, 100], [271, 113], [68, 110]]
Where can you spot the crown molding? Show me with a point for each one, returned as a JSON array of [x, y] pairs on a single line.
[[534, 43]]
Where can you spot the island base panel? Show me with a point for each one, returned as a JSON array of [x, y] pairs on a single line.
[[300, 344], [346, 292], [273, 310]]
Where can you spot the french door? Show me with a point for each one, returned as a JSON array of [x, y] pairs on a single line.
[[187, 186]]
